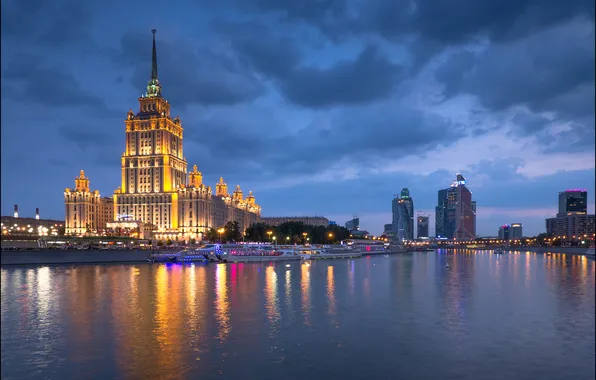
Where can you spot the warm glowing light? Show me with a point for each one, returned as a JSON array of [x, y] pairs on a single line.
[[271, 298], [222, 303], [305, 291]]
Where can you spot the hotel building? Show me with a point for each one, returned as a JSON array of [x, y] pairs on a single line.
[[155, 188]]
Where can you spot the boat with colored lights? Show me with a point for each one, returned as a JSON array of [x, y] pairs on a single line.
[[184, 256], [246, 253], [374, 247]]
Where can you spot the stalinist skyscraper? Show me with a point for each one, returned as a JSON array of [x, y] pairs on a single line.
[[154, 186], [153, 165]]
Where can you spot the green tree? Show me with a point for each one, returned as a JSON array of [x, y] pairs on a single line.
[[232, 232], [211, 235], [541, 238], [258, 232]]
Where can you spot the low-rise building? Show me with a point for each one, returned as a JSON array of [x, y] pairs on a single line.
[[570, 226], [308, 220]]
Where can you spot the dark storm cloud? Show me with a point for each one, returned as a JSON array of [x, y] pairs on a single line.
[[26, 79], [444, 22], [534, 71], [368, 77], [189, 76], [47, 23], [355, 138]]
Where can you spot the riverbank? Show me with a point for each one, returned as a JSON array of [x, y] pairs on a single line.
[[73, 257], [560, 250]]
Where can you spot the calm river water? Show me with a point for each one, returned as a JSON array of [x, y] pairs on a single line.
[[513, 316]]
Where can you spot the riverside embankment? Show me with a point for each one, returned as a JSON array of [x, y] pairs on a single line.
[[561, 250], [88, 256]]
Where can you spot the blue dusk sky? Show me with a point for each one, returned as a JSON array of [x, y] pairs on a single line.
[[320, 107]]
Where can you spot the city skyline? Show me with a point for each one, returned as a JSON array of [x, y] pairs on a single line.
[[336, 124]]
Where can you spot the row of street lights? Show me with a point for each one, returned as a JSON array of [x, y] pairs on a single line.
[[304, 235]]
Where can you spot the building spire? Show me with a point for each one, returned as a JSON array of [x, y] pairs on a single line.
[[154, 57], [153, 87]]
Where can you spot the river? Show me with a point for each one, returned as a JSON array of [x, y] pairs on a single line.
[[485, 316]]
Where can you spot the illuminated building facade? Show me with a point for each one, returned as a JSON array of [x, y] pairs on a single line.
[[572, 220], [403, 215], [465, 214], [445, 213], [516, 231], [154, 186], [81, 207], [574, 201], [456, 212], [570, 226]]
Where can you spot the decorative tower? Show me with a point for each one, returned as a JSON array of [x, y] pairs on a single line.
[[250, 199], [195, 177], [81, 207], [238, 196], [221, 188]]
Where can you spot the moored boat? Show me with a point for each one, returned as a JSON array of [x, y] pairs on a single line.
[[184, 256], [260, 253]]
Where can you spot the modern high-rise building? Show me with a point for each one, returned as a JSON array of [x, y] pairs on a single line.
[[422, 226], [445, 213], [403, 216], [505, 232], [455, 212], [516, 231], [465, 216], [574, 201], [155, 190]]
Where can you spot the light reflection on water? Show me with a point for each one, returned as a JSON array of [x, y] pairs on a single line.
[[272, 301], [485, 316], [222, 304]]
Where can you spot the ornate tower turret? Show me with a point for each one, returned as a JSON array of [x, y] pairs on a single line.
[[238, 196], [195, 177], [82, 183], [250, 199], [221, 188]]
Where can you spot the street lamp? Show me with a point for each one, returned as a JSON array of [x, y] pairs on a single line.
[[287, 240], [331, 237], [220, 232], [304, 234], [275, 240], [269, 233]]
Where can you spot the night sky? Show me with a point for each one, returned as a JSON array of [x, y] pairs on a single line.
[[322, 107]]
